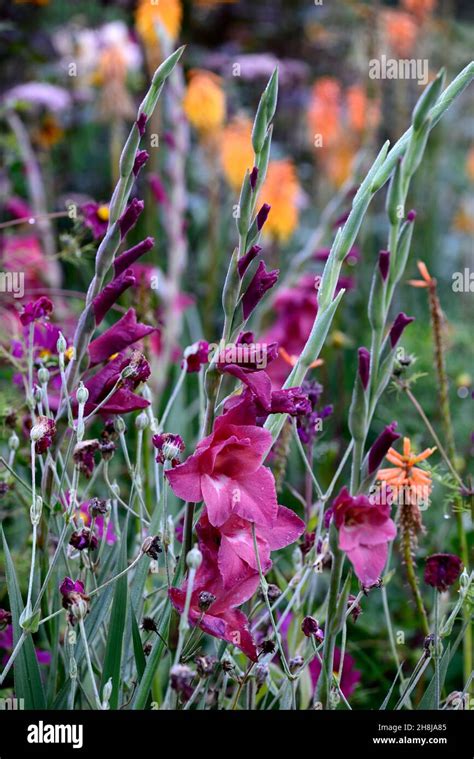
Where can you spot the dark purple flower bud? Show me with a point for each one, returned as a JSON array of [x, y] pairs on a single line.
[[69, 586], [130, 216], [411, 215], [158, 190], [140, 160], [442, 570], [149, 625], [196, 355], [328, 515], [205, 665], [244, 262], [309, 626], [42, 433], [356, 609], [381, 445], [128, 257], [206, 599], [121, 335], [169, 447], [98, 507], [262, 281], [307, 542], [384, 263], [5, 618], [104, 301], [262, 216], [141, 123], [401, 321], [253, 178], [36, 309], [84, 539], [364, 366]]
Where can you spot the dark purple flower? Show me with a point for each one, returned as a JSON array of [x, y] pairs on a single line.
[[253, 178], [141, 158], [169, 447], [36, 309], [121, 335], [364, 366], [159, 192], [83, 456], [96, 217], [292, 401], [401, 321], [42, 433], [130, 216], [136, 368], [104, 301], [262, 281], [196, 355], [442, 570], [262, 216], [128, 257], [411, 215], [82, 539], [309, 626], [309, 423], [307, 542], [244, 262], [141, 123], [381, 445], [384, 263], [69, 586], [356, 609], [123, 399]]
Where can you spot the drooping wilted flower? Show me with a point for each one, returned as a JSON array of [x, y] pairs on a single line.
[[152, 547], [84, 539], [196, 355], [42, 433], [442, 570], [35, 310], [84, 456], [181, 677], [75, 599]]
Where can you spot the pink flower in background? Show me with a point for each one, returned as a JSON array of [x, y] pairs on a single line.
[[365, 530], [36, 310], [350, 675], [99, 524], [6, 645], [96, 217], [226, 473]]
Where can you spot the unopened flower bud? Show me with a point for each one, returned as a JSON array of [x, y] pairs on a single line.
[[43, 375], [194, 558], [82, 394], [106, 693], [37, 394], [141, 422], [61, 344], [13, 442], [119, 425], [36, 510]]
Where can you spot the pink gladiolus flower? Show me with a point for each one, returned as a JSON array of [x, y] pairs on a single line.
[[350, 676], [236, 553], [213, 607], [226, 473], [365, 529]]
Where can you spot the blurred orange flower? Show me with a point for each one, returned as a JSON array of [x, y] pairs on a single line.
[[362, 112], [148, 14], [404, 478], [401, 31], [282, 191], [419, 8], [204, 101], [470, 164], [324, 113], [236, 152]]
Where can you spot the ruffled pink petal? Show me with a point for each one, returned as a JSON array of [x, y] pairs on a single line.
[[254, 498], [185, 480], [217, 493], [369, 562], [287, 528]]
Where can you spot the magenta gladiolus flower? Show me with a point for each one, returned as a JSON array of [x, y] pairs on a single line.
[[398, 326], [262, 216], [5, 618], [159, 192], [104, 301], [213, 607], [35, 310], [140, 160], [121, 335], [124, 399], [236, 552], [69, 586], [442, 570], [226, 473], [365, 529], [262, 281], [244, 262], [384, 263]]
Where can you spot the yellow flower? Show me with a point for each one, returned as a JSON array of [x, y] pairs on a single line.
[[281, 190], [149, 13], [204, 101], [236, 152]]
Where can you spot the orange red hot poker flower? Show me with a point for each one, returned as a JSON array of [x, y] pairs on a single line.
[[405, 478]]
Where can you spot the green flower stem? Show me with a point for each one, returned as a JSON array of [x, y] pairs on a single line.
[[323, 689], [437, 652], [413, 581], [89, 663]]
